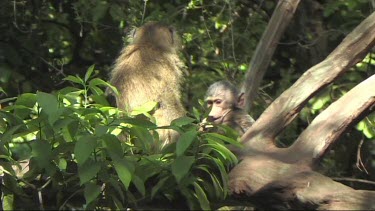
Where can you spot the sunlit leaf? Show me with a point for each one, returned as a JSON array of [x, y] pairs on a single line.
[[89, 72], [7, 202], [145, 108], [74, 79], [49, 105]]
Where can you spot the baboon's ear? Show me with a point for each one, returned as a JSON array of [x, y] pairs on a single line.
[[241, 101]]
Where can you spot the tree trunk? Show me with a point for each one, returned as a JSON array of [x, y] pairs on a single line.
[[284, 178], [263, 53]]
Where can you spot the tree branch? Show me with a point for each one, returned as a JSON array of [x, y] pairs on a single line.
[[262, 56], [287, 106], [327, 127]]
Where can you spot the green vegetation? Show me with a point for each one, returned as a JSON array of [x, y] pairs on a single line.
[[55, 114], [77, 160]]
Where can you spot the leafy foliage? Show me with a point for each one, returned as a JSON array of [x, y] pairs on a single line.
[[43, 42], [90, 155]]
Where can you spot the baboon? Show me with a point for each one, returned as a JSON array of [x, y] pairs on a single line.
[[225, 104], [149, 69]]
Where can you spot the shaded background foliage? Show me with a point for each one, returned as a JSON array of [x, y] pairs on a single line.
[[44, 41]]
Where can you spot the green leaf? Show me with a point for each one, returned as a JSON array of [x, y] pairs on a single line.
[[7, 202], [11, 184], [48, 102], [139, 122], [218, 189], [70, 130], [145, 108], [158, 186], [96, 90], [49, 105], [223, 174], [116, 185], [101, 130], [124, 169], [75, 79], [11, 118], [27, 100], [112, 145], [369, 132], [69, 89], [91, 192], [83, 148], [97, 81], [202, 198], [361, 125], [216, 136], [185, 141], [89, 72], [100, 99], [42, 152], [88, 170], [145, 138], [139, 184], [182, 121], [223, 151], [181, 166], [8, 134], [117, 203], [62, 164]]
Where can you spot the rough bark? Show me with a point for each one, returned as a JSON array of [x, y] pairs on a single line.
[[287, 106], [283, 178], [325, 129], [263, 53]]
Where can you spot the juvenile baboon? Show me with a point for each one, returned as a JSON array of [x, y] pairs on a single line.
[[149, 70], [225, 104]]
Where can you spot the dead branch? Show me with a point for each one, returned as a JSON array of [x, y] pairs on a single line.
[[279, 178], [328, 126], [287, 106], [263, 53]]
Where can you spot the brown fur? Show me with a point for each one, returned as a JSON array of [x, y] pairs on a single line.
[[149, 70]]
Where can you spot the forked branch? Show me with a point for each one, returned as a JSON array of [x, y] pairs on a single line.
[[280, 19], [325, 129], [287, 106]]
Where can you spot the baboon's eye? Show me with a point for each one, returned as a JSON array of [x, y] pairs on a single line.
[[209, 103], [217, 102]]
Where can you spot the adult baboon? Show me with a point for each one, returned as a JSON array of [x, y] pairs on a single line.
[[225, 104], [149, 70]]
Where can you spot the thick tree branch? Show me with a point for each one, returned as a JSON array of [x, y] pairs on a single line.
[[287, 106], [325, 129], [262, 56], [312, 191]]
